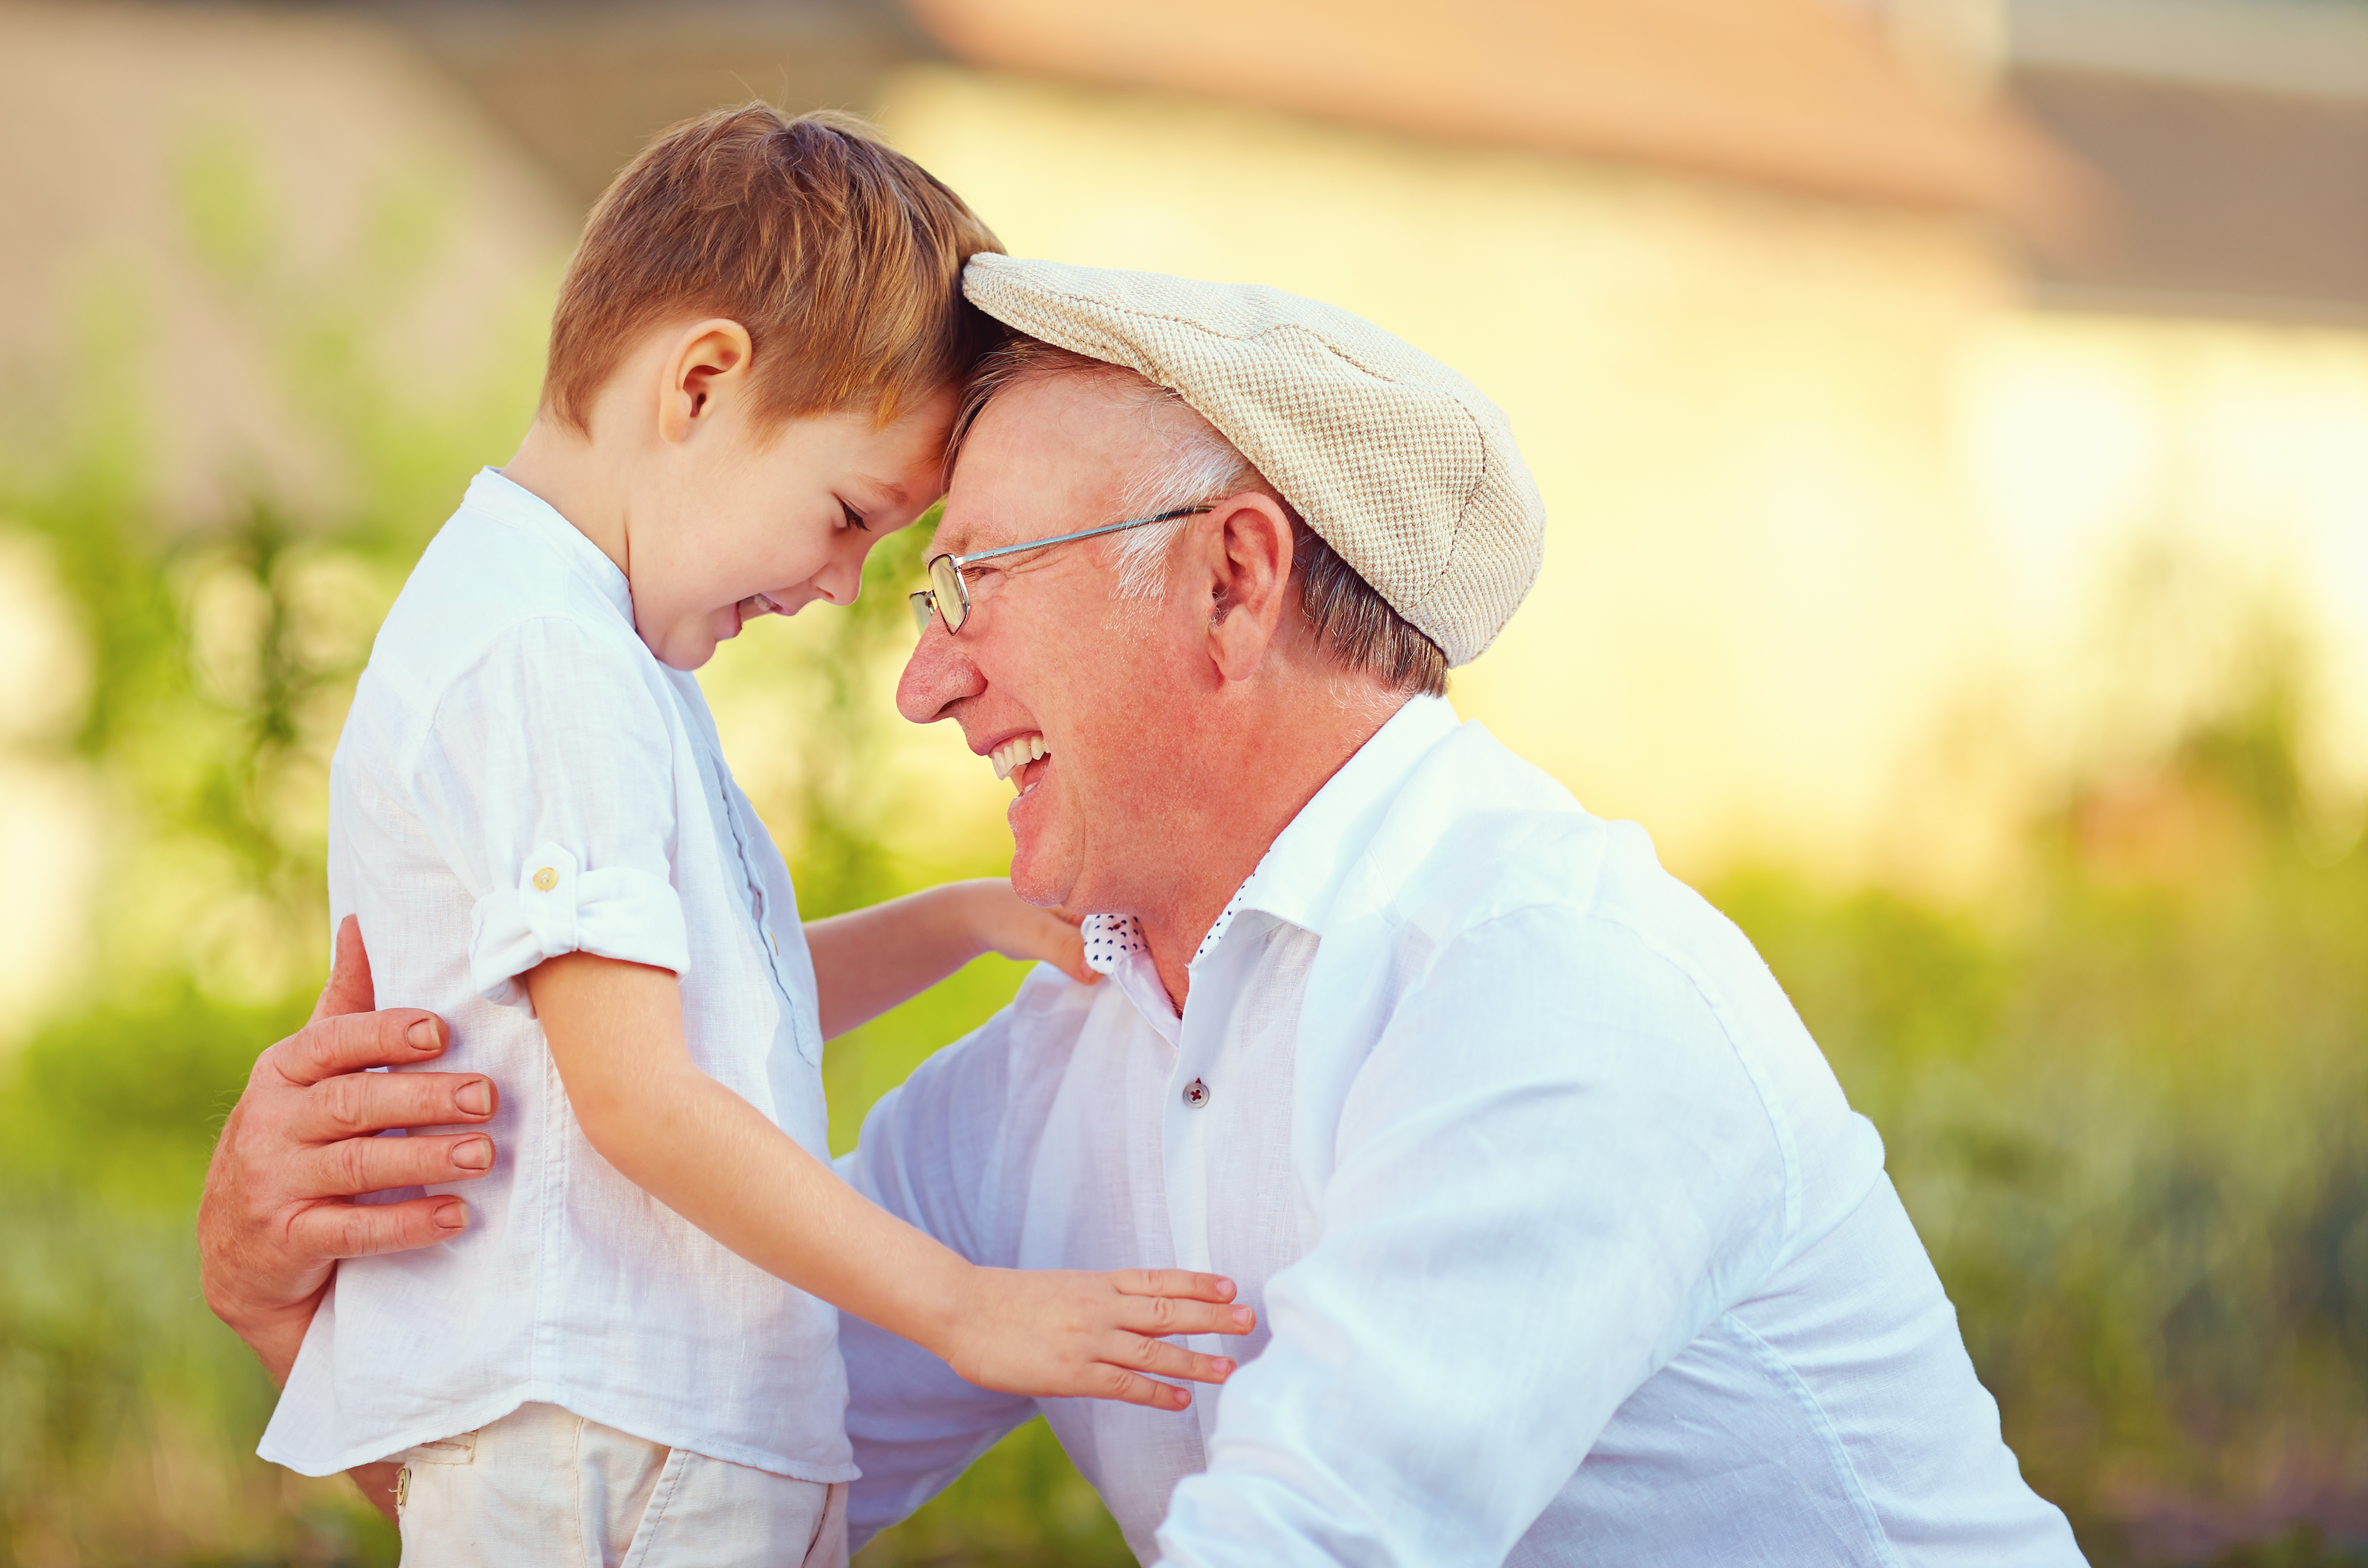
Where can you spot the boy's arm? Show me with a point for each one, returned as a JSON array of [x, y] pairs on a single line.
[[616, 1033], [868, 961]]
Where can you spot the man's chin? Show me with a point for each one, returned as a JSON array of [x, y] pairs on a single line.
[[1036, 876], [1047, 840], [1031, 883]]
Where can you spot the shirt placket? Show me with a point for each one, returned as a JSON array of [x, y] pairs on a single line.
[[757, 903], [1196, 1111]]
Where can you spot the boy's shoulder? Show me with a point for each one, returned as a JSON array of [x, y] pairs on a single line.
[[506, 584]]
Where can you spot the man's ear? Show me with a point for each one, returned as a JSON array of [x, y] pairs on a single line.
[[705, 371], [1250, 581]]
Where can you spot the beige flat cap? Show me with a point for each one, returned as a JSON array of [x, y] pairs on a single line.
[[1397, 461]]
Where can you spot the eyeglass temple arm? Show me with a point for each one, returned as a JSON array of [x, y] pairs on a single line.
[[1072, 538]]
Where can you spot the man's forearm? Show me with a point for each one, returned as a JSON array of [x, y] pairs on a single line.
[[275, 1336], [278, 1209], [267, 1301], [276, 1215]]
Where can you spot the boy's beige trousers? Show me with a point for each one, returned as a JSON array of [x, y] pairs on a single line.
[[542, 1488]]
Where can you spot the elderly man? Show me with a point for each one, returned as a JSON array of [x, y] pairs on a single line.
[[1565, 1245]]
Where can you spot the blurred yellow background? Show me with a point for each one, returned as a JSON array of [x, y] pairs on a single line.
[[1953, 417]]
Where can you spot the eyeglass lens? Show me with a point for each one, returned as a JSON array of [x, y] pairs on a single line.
[[946, 588]]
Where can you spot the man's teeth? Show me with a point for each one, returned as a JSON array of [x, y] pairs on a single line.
[[1014, 754]]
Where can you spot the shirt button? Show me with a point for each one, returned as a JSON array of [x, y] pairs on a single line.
[[1196, 1093], [545, 879]]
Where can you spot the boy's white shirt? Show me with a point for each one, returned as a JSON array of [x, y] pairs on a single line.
[[520, 777]]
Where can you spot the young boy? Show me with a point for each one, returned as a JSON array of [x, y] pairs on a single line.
[[631, 1355]]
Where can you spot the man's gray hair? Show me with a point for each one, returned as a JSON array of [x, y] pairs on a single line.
[[1351, 623], [1198, 466]]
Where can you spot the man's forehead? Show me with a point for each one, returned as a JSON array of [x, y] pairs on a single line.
[[1045, 458]]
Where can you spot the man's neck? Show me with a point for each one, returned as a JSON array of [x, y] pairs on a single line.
[[1261, 800]]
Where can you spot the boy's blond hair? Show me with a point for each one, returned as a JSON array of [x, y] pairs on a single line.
[[841, 258]]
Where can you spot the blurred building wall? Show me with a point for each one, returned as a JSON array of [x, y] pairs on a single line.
[[1843, 535], [190, 188], [2232, 136], [1737, 403]]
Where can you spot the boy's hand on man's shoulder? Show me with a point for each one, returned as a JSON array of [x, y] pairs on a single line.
[[302, 1142]]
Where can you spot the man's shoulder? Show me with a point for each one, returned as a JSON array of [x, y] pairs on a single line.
[[1506, 877], [1477, 832], [1478, 837]]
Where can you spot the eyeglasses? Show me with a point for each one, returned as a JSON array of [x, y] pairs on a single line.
[[947, 594]]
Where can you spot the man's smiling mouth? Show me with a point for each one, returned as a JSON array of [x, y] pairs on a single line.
[[1016, 754]]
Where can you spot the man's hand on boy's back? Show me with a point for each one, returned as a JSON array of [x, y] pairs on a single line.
[[301, 1144]]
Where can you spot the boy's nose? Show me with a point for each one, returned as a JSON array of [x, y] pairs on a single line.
[[840, 582]]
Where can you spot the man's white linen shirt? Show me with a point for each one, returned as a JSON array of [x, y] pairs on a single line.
[[1566, 1246], [519, 777]]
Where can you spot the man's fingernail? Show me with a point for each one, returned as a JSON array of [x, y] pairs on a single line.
[[474, 1154], [422, 1036], [452, 1216], [1225, 1285], [1224, 1366], [475, 1097], [1242, 1315]]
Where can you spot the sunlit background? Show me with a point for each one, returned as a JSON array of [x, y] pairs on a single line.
[[1954, 419]]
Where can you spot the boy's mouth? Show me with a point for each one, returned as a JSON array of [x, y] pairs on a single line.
[[754, 607]]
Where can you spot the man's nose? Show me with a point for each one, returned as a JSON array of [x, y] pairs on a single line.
[[939, 675]]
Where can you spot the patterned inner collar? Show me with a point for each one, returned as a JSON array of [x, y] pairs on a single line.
[[1110, 938]]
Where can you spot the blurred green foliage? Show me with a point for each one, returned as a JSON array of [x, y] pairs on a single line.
[[2119, 1100], [2125, 1111]]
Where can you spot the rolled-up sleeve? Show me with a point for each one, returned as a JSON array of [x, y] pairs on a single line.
[[547, 777], [1554, 1170]]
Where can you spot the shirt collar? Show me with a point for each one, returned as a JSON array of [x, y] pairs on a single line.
[[1110, 938], [1304, 867], [494, 494], [1302, 870]]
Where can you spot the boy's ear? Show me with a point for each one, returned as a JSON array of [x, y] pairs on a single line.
[[706, 370]]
